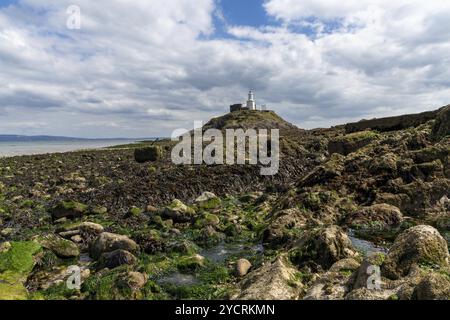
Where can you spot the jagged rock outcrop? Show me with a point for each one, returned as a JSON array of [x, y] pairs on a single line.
[[392, 123], [334, 284], [277, 276], [322, 247]]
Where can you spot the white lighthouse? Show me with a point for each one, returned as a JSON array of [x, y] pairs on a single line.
[[251, 101]]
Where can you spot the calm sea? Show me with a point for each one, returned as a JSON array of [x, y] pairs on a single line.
[[9, 149]]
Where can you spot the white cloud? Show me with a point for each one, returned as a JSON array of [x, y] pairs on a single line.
[[153, 66]]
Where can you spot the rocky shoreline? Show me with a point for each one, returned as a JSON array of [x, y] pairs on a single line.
[[342, 203]]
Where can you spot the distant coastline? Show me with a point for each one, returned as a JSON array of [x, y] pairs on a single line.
[[16, 145]]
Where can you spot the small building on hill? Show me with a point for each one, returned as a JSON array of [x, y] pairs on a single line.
[[237, 107], [250, 105]]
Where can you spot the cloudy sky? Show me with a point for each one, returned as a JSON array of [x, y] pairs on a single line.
[[143, 68]]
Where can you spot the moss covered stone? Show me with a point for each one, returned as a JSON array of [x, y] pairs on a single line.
[[15, 265], [208, 200], [98, 210], [61, 247], [419, 245], [178, 212], [69, 209], [108, 242], [191, 263], [115, 284], [135, 212], [208, 219]]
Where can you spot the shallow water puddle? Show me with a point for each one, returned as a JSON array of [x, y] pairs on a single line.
[[218, 255], [365, 246], [224, 251], [179, 279]]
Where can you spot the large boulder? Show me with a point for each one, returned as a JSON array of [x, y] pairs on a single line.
[[61, 247], [152, 153], [178, 212], [108, 242], [273, 281], [322, 247], [116, 259], [68, 209], [418, 245]]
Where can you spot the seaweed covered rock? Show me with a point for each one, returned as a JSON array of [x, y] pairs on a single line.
[[178, 212], [150, 242], [352, 142], [108, 242], [282, 229], [334, 284], [322, 248], [441, 127], [434, 286], [15, 266], [273, 281], [133, 280], [191, 263], [208, 200], [418, 245], [68, 209], [83, 232], [152, 153], [115, 284], [324, 173], [378, 216], [116, 259], [208, 219], [61, 247]]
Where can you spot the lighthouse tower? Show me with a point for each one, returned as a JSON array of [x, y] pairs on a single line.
[[251, 101]]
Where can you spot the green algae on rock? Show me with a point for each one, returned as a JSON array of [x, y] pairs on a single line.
[[15, 265]]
